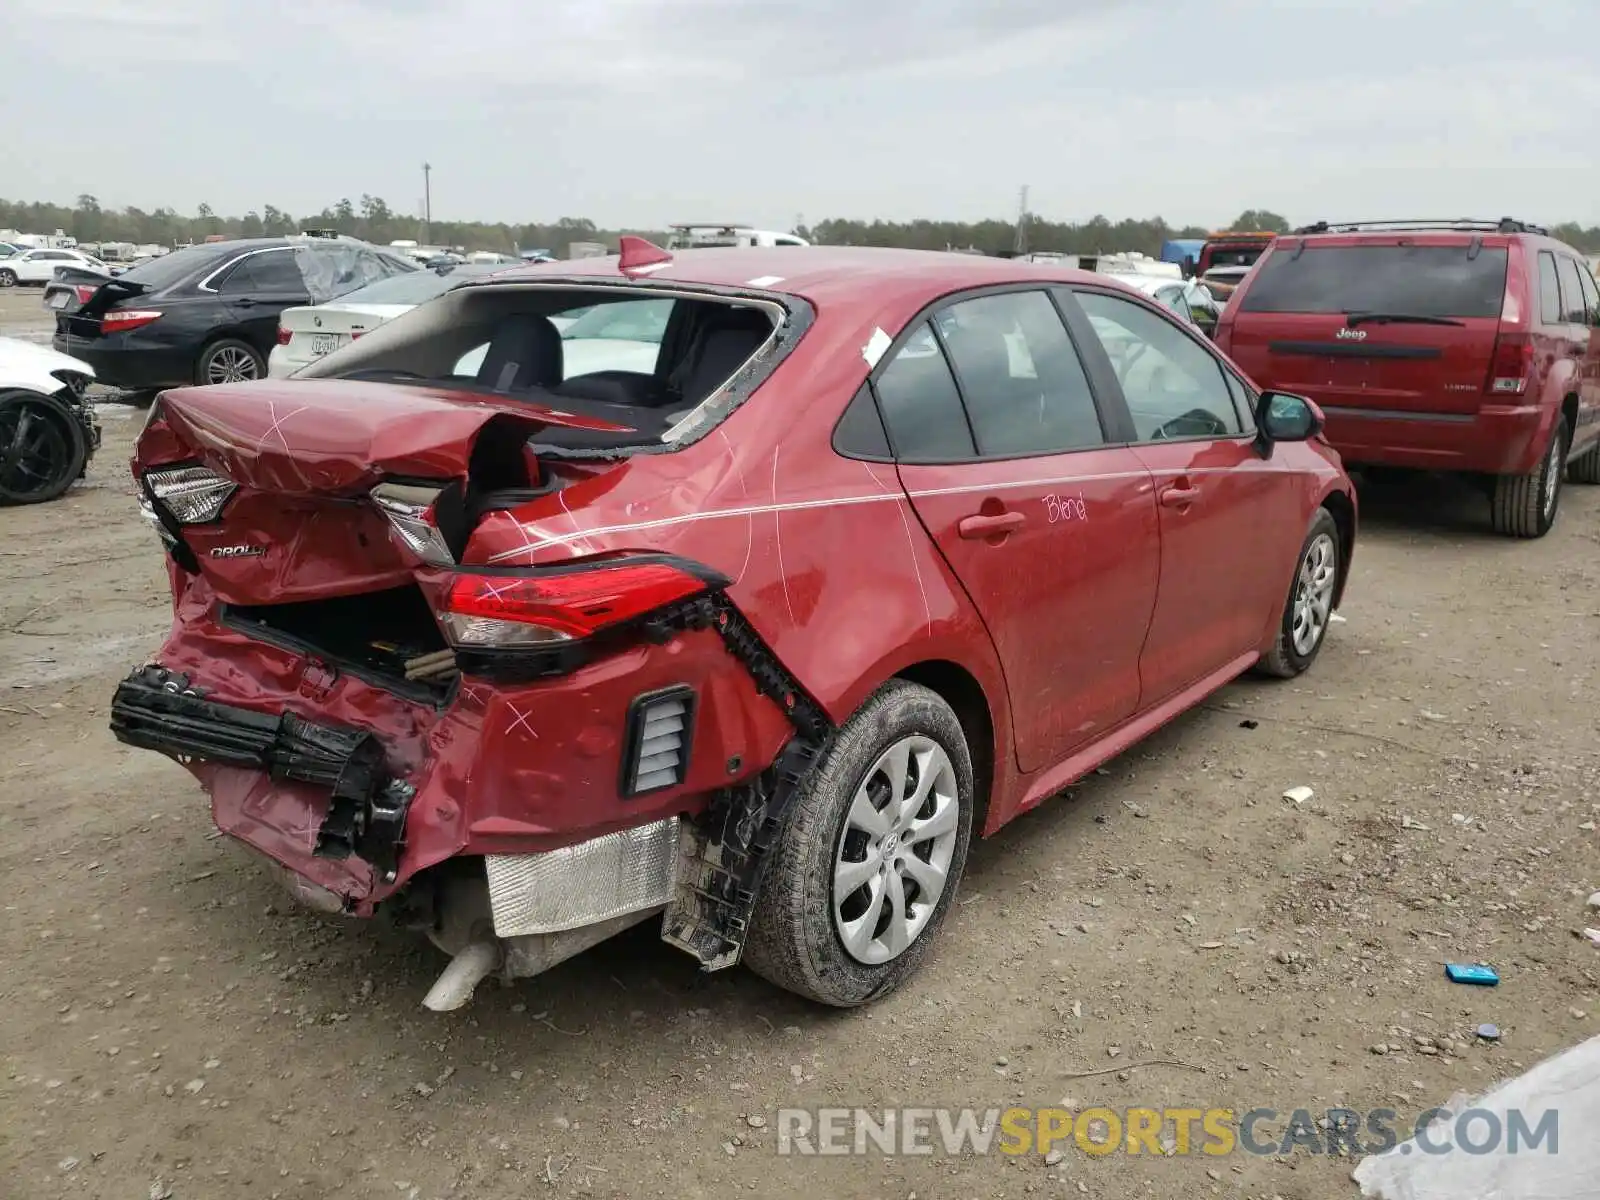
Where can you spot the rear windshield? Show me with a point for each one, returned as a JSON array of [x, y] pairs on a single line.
[[1234, 256], [1424, 281], [643, 363], [168, 269]]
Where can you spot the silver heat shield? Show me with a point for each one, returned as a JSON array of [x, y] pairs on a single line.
[[579, 885]]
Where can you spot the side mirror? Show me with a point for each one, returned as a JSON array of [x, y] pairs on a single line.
[[1285, 417]]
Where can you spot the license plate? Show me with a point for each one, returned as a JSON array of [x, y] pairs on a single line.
[[324, 343], [59, 299]]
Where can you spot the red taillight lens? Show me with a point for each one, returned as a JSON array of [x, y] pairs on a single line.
[[284, 335], [123, 319], [561, 605], [85, 292], [1511, 366]]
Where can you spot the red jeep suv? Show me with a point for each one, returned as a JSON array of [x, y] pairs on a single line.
[[747, 622], [1442, 345]]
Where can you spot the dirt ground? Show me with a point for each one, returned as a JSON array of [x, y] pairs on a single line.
[[170, 1025]]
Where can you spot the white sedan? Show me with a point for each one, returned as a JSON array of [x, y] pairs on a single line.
[[38, 267], [312, 331]]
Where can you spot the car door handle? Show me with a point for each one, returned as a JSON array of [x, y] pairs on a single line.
[[1179, 497], [982, 525], [242, 302]]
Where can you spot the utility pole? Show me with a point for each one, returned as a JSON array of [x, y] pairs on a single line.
[[427, 204], [1020, 245]]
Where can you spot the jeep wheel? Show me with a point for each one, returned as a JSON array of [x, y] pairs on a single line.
[[1525, 506], [867, 867], [1586, 467], [1308, 610]]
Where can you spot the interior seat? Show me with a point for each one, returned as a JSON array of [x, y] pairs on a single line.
[[525, 352]]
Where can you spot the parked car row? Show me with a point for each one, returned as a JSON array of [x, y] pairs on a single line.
[[738, 588]]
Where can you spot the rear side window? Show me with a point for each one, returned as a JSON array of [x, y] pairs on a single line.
[[921, 406], [168, 269], [1572, 303], [1549, 290], [1025, 390], [1424, 281]]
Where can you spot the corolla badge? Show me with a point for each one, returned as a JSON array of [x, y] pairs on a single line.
[[241, 551], [1352, 335]]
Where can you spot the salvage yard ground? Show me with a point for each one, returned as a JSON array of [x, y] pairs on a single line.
[[171, 1025]]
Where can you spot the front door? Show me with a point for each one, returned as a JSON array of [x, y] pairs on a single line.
[[1051, 531], [1229, 518]]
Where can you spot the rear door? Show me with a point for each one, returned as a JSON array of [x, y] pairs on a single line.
[[1584, 320], [1048, 524], [1388, 326], [1230, 519], [257, 289]]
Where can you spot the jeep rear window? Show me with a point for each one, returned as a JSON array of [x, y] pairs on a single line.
[[1424, 281]]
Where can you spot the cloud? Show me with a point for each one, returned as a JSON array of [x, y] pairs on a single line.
[[638, 111]]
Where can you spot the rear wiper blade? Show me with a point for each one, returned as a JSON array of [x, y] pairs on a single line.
[[1354, 319]]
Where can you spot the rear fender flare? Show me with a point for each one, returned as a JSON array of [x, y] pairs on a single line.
[[1558, 385]]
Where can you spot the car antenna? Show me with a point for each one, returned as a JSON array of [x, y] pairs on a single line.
[[639, 256]]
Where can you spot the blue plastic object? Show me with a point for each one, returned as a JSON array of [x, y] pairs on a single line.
[[1463, 973]]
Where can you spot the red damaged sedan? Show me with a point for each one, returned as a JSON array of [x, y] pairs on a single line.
[[743, 617]]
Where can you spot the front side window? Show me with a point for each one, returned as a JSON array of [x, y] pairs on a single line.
[[1026, 391], [1174, 386], [1591, 294]]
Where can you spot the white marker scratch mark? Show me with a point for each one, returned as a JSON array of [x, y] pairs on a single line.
[[571, 516], [764, 281], [777, 528], [553, 539], [749, 520], [911, 545], [877, 346], [520, 721]]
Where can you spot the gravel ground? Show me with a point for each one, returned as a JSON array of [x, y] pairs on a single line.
[[170, 1025]]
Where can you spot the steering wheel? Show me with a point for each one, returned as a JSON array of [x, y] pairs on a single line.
[[1197, 422]]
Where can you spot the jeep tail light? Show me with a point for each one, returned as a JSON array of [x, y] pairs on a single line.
[[121, 320], [284, 336], [190, 495], [409, 508], [541, 606], [1511, 366]]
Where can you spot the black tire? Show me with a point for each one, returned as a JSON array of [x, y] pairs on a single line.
[[1290, 657], [1525, 506], [43, 448], [1586, 467], [8, 277], [209, 367], [793, 939]]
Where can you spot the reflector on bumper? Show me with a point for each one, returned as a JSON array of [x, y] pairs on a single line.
[[579, 885]]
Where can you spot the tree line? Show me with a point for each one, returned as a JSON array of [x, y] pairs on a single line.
[[372, 218]]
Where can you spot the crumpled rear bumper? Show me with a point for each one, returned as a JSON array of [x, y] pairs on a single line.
[[279, 782]]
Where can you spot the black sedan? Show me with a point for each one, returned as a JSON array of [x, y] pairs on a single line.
[[207, 313]]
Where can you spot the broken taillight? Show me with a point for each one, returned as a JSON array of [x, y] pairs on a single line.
[[285, 336], [409, 508], [545, 605], [190, 495]]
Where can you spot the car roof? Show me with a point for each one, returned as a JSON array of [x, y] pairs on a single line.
[[845, 276]]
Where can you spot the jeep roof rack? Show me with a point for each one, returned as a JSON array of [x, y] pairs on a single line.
[[1465, 224]]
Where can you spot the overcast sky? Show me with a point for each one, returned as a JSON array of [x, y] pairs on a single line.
[[643, 112]]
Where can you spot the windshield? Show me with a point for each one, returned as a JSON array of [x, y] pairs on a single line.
[[413, 287], [1424, 281], [157, 273]]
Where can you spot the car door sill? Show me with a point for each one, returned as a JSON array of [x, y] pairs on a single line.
[[1055, 779]]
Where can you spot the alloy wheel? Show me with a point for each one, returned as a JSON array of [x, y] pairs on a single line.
[[34, 451], [232, 364]]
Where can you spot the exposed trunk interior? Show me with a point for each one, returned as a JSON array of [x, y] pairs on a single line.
[[389, 638]]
